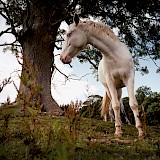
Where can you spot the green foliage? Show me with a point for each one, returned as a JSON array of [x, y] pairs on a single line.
[[128, 110], [73, 118], [91, 55], [153, 113], [151, 103], [91, 107], [147, 99], [142, 92], [136, 22]]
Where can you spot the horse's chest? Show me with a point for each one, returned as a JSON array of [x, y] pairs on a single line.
[[118, 79], [112, 74]]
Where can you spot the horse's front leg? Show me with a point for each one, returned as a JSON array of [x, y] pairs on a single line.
[[134, 106], [116, 108]]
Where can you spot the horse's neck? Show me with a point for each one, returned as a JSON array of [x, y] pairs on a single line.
[[104, 43]]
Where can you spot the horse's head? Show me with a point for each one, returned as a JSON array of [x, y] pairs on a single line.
[[76, 40]]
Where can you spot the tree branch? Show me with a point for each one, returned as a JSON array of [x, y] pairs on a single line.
[[60, 71], [4, 16], [10, 20], [5, 31], [84, 57], [153, 61], [4, 83], [28, 14], [58, 48], [59, 40], [10, 44], [68, 76]]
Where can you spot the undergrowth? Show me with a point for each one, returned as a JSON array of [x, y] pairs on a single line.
[[33, 136]]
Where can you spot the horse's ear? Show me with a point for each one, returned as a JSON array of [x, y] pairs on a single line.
[[76, 19]]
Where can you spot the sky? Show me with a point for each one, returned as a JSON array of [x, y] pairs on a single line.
[[81, 83]]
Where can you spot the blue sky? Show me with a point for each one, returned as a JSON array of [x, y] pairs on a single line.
[[65, 91]]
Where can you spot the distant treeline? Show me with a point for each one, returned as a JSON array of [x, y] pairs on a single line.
[[149, 106]]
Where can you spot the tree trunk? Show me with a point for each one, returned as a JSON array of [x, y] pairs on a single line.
[[38, 39]]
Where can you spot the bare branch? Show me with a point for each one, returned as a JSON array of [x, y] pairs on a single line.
[[59, 40], [4, 83], [10, 44], [58, 48], [89, 60], [60, 71], [56, 55], [58, 21], [4, 16], [81, 77], [70, 77], [153, 61], [5, 31]]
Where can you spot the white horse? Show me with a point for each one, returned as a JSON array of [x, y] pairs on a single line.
[[116, 69]]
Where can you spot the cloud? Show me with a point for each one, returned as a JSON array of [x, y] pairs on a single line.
[[73, 90], [64, 90], [8, 67]]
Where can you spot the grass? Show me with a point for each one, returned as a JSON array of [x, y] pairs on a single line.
[[33, 136]]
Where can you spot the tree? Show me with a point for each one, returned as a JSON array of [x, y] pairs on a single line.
[[90, 107], [151, 103], [35, 23], [137, 23], [143, 92]]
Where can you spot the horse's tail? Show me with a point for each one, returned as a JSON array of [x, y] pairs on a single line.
[[105, 106]]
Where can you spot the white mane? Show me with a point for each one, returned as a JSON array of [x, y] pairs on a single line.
[[97, 28]]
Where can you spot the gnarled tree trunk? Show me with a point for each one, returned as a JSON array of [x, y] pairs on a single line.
[[37, 40]]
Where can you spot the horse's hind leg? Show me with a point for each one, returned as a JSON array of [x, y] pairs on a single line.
[[134, 106]]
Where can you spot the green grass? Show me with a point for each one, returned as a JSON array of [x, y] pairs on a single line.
[[72, 137]]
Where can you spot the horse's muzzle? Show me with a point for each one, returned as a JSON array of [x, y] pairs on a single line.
[[65, 59]]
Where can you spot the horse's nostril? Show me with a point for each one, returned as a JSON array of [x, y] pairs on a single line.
[[66, 58], [61, 58]]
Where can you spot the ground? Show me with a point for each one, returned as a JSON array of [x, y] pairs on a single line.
[[32, 135]]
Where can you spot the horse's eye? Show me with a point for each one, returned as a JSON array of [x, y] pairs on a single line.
[[68, 34]]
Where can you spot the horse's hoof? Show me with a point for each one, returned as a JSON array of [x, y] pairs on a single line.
[[119, 134], [142, 135]]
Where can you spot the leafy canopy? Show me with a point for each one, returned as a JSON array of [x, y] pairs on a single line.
[[137, 22]]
